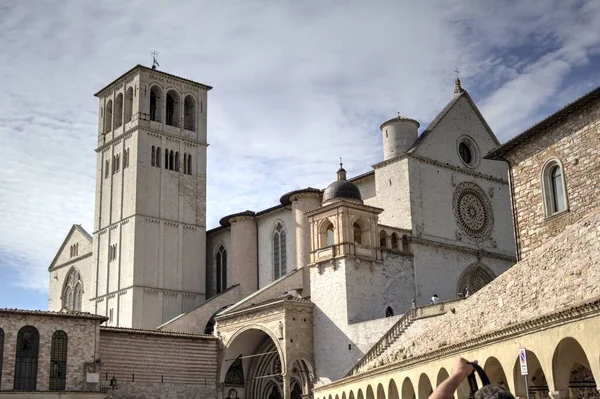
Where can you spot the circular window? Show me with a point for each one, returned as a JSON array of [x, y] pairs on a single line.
[[473, 211], [468, 153]]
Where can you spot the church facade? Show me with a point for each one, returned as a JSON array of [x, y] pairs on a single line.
[[349, 260]]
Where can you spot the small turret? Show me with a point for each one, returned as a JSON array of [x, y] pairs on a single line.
[[399, 134]]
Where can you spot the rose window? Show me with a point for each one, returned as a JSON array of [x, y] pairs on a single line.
[[473, 211]]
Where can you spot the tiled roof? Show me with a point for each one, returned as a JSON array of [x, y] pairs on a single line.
[[155, 332], [71, 314]]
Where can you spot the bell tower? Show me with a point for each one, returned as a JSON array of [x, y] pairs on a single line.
[[150, 205]]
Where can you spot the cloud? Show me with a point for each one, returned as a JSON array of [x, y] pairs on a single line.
[[297, 84]]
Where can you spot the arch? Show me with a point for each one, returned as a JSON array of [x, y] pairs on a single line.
[[166, 158], [128, 104], [394, 240], [119, 110], [351, 395], [157, 157], [279, 245], [425, 388], [172, 108], [72, 292], [393, 390], [408, 391], [473, 278], [326, 234], [58, 361], [26, 361], [571, 369], [189, 113], [221, 269], [155, 103], [171, 160], [177, 161], [344, 395], [380, 392], [536, 377], [442, 375], [370, 394], [554, 189], [235, 374], [296, 391], [337, 396], [108, 117], [357, 233], [405, 244], [153, 156], [360, 395], [495, 372], [389, 312], [382, 239], [189, 164]]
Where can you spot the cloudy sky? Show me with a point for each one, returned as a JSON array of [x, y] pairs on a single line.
[[296, 85]]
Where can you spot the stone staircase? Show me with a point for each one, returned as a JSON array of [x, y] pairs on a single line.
[[388, 341]]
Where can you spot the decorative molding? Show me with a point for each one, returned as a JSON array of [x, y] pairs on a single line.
[[458, 169], [72, 261], [457, 248]]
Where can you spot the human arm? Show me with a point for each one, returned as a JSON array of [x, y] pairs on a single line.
[[460, 371]]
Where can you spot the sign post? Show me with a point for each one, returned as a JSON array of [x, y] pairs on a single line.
[[523, 363]]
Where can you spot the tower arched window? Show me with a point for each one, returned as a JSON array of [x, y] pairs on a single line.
[[172, 110], [185, 163], [157, 157], [394, 241], [72, 291], [389, 312], [108, 117], [279, 251], [221, 261], [189, 164], [155, 104], [382, 239], [26, 359], [405, 244], [119, 110], [128, 104], [58, 361], [153, 157], [357, 231], [171, 160], [553, 185], [327, 237], [106, 169], [177, 161], [166, 158], [189, 113]]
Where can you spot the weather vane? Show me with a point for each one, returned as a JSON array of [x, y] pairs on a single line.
[[340, 162], [154, 60], [456, 71]]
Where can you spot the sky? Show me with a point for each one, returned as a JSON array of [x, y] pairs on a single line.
[[297, 84]]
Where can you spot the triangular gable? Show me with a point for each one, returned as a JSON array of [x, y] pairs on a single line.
[[444, 113], [76, 230]]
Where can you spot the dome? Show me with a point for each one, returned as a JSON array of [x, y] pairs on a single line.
[[342, 188]]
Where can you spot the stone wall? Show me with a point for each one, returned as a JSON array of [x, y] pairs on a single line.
[[82, 335], [575, 141], [151, 364]]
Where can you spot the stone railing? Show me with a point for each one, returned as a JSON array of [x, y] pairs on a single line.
[[397, 329]]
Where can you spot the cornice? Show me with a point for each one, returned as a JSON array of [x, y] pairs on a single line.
[[71, 261], [457, 169], [343, 203], [139, 129], [121, 291], [390, 161], [583, 310], [150, 219], [457, 248], [259, 309]]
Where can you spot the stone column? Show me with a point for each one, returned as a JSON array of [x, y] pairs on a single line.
[[287, 390], [303, 201], [559, 394], [244, 251]]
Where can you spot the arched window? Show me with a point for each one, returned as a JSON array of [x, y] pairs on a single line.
[[155, 104], [189, 113], [1, 353], [553, 187], [128, 104], [189, 164], [166, 159], [394, 241], [72, 291], [357, 233], [157, 157], [153, 156], [382, 239], [177, 161], [184, 163], [235, 374], [108, 117], [119, 110], [26, 361], [473, 278], [106, 169], [172, 108], [171, 160], [221, 261], [58, 361], [279, 251], [405, 244], [389, 312]]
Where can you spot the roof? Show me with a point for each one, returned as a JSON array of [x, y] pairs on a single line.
[[144, 68], [540, 127], [68, 314], [154, 332], [397, 119], [286, 198], [444, 112], [253, 306], [67, 238]]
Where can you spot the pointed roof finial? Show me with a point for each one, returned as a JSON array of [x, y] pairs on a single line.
[[341, 173], [341, 164], [155, 63], [457, 87]]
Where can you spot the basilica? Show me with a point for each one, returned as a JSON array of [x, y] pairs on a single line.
[[331, 288]]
